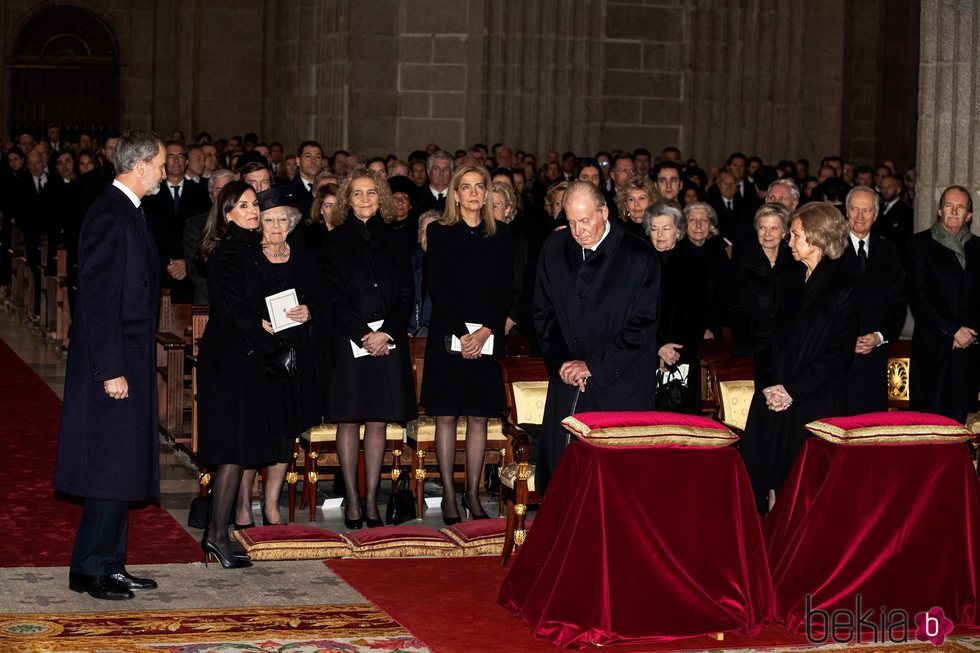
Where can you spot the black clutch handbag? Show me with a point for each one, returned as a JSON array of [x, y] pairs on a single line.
[[673, 394], [200, 512], [401, 503], [281, 362]]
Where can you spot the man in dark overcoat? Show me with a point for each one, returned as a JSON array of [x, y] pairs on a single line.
[[596, 306], [944, 293], [877, 265], [108, 447]]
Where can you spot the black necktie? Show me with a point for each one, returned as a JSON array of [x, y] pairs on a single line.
[[588, 253], [862, 255], [142, 214], [176, 197], [39, 185], [728, 204]]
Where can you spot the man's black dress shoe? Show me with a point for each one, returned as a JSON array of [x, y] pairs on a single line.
[[130, 582], [99, 587]]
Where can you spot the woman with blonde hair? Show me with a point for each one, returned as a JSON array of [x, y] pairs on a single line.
[[632, 199], [372, 290], [469, 271], [804, 351]]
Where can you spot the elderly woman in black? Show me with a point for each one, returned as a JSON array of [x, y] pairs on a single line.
[[802, 357], [704, 242], [292, 403], [756, 265], [372, 290], [232, 418], [683, 287], [470, 273]]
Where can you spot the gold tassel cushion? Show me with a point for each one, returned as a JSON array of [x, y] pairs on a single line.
[[291, 543], [648, 429], [401, 542], [480, 537], [899, 427]]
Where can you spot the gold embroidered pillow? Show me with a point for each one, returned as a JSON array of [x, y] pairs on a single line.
[[480, 537], [899, 427], [648, 429], [401, 542], [291, 543]]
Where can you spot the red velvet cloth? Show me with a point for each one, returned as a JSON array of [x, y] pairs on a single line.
[[642, 545], [899, 525]]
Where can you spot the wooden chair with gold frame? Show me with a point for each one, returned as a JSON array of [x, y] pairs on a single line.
[[897, 374], [526, 390], [732, 385]]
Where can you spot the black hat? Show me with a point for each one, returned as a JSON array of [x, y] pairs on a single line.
[[402, 184], [417, 155], [249, 157], [284, 195]]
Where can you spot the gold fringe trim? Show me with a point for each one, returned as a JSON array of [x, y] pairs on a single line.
[[484, 546], [904, 434]]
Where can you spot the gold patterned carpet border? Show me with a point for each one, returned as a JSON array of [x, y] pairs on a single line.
[[298, 629]]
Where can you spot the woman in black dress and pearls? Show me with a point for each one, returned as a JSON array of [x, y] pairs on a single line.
[[468, 265], [292, 403], [371, 289]]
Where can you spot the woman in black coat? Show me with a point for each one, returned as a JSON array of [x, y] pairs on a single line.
[[802, 360], [704, 242], [372, 290], [944, 295], [683, 288], [470, 272], [756, 265], [232, 419], [293, 404]]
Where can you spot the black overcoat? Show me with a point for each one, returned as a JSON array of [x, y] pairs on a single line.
[[108, 448], [603, 311], [232, 407], [807, 349], [750, 293], [883, 303], [943, 297], [369, 278]]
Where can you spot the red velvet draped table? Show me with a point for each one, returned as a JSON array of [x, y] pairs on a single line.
[[642, 545], [897, 524]]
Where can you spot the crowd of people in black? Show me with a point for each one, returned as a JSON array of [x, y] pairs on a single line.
[[809, 274]]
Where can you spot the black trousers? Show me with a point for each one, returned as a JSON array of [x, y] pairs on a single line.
[[100, 543]]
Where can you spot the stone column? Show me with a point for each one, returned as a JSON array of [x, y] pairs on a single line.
[[949, 104]]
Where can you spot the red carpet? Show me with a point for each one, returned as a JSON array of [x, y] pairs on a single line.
[[37, 529], [451, 605]]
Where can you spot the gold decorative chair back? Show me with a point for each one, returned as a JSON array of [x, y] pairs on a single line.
[[529, 400], [734, 400]]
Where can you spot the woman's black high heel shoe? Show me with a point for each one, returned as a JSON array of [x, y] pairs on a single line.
[[446, 519], [371, 523], [353, 524], [266, 522], [470, 514], [211, 549]]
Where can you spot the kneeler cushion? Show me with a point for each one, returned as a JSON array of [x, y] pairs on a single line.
[[648, 429], [900, 427], [291, 543]]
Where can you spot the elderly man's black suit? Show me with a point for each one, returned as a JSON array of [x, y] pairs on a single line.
[[603, 311], [944, 297], [108, 448], [883, 302]]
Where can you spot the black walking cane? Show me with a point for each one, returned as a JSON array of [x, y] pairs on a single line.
[[568, 434]]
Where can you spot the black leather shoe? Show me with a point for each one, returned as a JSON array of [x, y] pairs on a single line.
[[130, 582], [98, 587]]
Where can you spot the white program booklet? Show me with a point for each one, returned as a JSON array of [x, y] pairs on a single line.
[[360, 352], [454, 344], [278, 304]]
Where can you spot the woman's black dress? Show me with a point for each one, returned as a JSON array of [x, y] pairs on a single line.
[[807, 350], [470, 280], [232, 417], [293, 403], [718, 268], [750, 295], [369, 278], [683, 287]]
